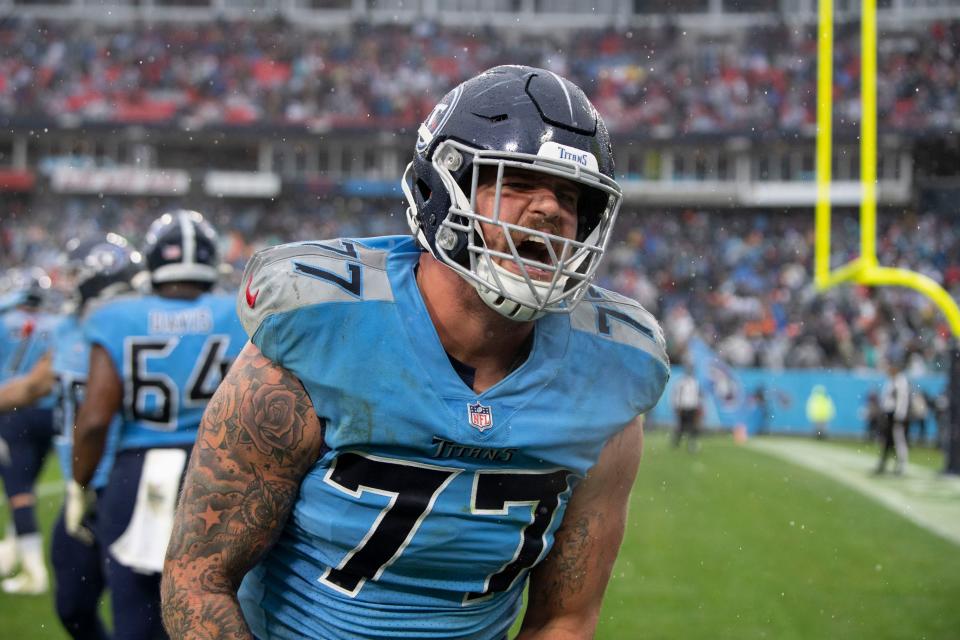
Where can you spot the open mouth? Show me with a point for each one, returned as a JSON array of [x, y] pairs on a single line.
[[534, 249]]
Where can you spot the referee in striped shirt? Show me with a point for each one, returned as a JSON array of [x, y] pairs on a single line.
[[686, 403], [895, 402]]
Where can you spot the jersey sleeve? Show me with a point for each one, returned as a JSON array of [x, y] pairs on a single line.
[[281, 282], [633, 342]]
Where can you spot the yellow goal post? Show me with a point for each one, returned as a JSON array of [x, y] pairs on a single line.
[[864, 269]]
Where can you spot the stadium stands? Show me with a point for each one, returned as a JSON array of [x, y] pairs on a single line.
[[750, 294], [714, 150], [379, 77]]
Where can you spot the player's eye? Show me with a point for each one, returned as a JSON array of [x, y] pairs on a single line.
[[568, 197]]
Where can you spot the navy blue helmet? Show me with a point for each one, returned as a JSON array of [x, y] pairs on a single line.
[[102, 267], [516, 118], [181, 246]]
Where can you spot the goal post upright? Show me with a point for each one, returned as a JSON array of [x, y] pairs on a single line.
[[865, 268], [824, 149], [868, 133]]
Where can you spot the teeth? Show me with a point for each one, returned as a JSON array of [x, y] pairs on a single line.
[[536, 239]]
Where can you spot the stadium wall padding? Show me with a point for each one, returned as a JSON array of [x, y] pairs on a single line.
[[730, 401]]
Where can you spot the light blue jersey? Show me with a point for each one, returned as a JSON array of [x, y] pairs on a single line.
[[171, 355], [10, 300], [24, 337], [431, 502], [71, 363]]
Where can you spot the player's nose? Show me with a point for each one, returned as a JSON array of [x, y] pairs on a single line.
[[546, 202]]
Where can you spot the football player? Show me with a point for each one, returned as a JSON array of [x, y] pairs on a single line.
[[423, 425], [155, 360], [100, 269], [26, 331]]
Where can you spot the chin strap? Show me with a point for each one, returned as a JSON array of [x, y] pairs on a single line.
[[508, 308], [515, 287]]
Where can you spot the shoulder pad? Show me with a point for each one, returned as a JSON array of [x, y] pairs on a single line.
[[621, 319], [304, 274]]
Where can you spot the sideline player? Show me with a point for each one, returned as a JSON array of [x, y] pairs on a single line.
[[156, 360], [26, 331], [101, 269], [422, 423]]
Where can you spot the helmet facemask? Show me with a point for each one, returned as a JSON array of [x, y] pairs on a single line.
[[550, 273]]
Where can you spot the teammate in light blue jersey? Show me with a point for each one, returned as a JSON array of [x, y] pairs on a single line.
[[71, 359], [155, 360], [423, 425], [23, 297], [171, 354], [100, 268], [26, 332], [27, 329]]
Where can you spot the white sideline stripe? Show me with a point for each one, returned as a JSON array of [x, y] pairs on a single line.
[[924, 496], [43, 490]]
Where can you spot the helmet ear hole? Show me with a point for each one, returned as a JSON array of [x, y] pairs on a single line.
[[424, 189]]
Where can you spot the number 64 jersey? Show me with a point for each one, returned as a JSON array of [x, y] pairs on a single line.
[[430, 503], [171, 355]]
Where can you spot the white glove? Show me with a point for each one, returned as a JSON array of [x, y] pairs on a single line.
[[79, 502]]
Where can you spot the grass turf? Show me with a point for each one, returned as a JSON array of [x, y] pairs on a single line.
[[28, 617], [731, 543], [924, 456]]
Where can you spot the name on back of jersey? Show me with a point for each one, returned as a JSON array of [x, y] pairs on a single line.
[[180, 322]]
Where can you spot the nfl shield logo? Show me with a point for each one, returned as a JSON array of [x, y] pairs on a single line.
[[481, 417]]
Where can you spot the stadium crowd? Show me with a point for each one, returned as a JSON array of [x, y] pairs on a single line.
[[658, 80], [751, 296]]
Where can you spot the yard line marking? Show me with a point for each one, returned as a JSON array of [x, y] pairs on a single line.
[[924, 496]]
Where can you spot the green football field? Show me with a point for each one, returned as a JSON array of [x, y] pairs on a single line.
[[735, 543]]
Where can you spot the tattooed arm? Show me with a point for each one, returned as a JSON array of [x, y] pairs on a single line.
[[566, 589], [258, 438]]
